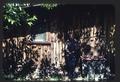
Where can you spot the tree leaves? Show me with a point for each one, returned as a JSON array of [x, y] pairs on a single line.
[[46, 5], [30, 23], [14, 14], [30, 20]]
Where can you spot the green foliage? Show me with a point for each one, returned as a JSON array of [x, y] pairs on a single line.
[[14, 14], [48, 6]]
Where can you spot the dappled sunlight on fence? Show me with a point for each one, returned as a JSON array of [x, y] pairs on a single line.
[[38, 62]]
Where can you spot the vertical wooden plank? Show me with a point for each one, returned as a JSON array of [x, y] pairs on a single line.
[[56, 49], [50, 48], [60, 51], [54, 43]]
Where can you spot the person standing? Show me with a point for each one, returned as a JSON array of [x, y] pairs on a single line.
[[71, 54]]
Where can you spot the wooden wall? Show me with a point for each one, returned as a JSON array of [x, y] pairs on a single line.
[[56, 49]]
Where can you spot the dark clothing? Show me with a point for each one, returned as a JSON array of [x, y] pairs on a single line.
[[71, 56]]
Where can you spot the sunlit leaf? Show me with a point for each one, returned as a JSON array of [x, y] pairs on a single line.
[[30, 23], [12, 22], [8, 20], [35, 17], [20, 8]]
